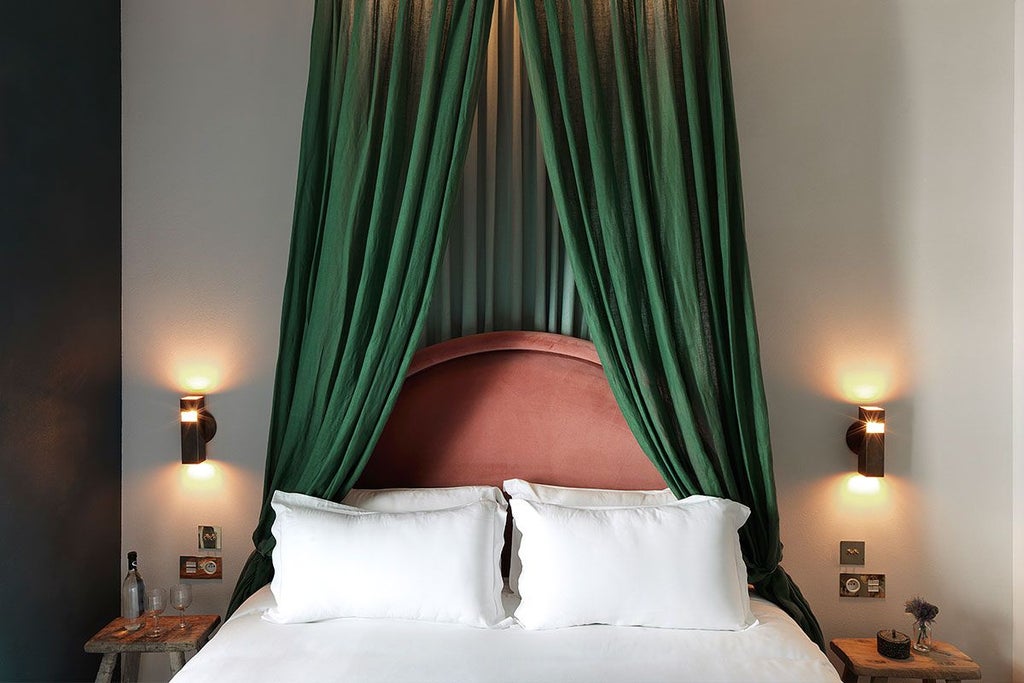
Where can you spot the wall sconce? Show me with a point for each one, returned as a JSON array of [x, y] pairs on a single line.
[[197, 427], [866, 438]]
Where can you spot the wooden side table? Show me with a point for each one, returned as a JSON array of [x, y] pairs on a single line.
[[944, 661], [113, 639]]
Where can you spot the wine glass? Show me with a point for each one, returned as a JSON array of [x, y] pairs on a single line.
[[181, 597], [156, 603]]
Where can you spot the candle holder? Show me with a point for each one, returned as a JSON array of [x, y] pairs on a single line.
[[893, 644]]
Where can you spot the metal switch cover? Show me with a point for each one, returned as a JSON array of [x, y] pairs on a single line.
[[209, 537], [851, 553], [861, 585]]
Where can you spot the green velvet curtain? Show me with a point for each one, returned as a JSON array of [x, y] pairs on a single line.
[[389, 103], [634, 100], [506, 267]]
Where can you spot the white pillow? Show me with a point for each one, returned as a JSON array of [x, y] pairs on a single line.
[[573, 497], [670, 566], [332, 561], [414, 500], [585, 498]]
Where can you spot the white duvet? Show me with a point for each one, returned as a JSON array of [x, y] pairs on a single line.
[[247, 648]]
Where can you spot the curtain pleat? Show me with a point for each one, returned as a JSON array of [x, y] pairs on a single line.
[[634, 102], [506, 267], [389, 103]]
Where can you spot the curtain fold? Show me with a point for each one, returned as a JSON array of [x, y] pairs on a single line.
[[634, 102], [389, 104], [506, 267]]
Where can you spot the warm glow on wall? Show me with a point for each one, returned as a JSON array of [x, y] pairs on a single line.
[[201, 357], [857, 494], [863, 386], [198, 383], [197, 377], [859, 361], [860, 485], [199, 366], [206, 478], [203, 470]]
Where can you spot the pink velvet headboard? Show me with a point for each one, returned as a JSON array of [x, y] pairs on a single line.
[[489, 407]]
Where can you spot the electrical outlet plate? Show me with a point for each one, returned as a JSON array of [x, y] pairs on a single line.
[[209, 537], [851, 553], [193, 567], [861, 585]]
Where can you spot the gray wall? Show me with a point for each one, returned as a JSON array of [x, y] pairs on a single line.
[[212, 103], [60, 361], [876, 143]]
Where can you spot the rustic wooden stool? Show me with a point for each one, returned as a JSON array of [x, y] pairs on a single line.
[[113, 639], [944, 661]]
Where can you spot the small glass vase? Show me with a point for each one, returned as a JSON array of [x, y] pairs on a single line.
[[922, 636]]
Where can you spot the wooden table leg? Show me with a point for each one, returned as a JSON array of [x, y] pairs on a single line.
[[177, 661], [848, 675], [879, 679], [130, 666], [106, 667]]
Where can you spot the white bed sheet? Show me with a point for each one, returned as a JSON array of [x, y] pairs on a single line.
[[247, 648]]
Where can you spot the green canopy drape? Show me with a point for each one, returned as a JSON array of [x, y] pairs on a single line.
[[389, 103], [634, 100]]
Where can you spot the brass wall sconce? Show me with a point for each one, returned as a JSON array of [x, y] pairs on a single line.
[[866, 438], [197, 427]]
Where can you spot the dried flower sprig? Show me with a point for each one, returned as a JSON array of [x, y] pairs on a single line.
[[921, 610]]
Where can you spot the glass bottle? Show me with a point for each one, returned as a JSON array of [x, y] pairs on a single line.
[[133, 595]]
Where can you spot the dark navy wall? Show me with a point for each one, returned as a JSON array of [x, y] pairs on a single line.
[[60, 334]]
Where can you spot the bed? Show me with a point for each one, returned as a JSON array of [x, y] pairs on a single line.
[[481, 410]]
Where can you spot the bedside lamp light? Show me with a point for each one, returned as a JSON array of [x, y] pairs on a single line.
[[197, 427], [866, 438]]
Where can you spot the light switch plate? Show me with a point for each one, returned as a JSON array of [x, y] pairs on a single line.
[[193, 567], [851, 553], [209, 537], [861, 585]]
